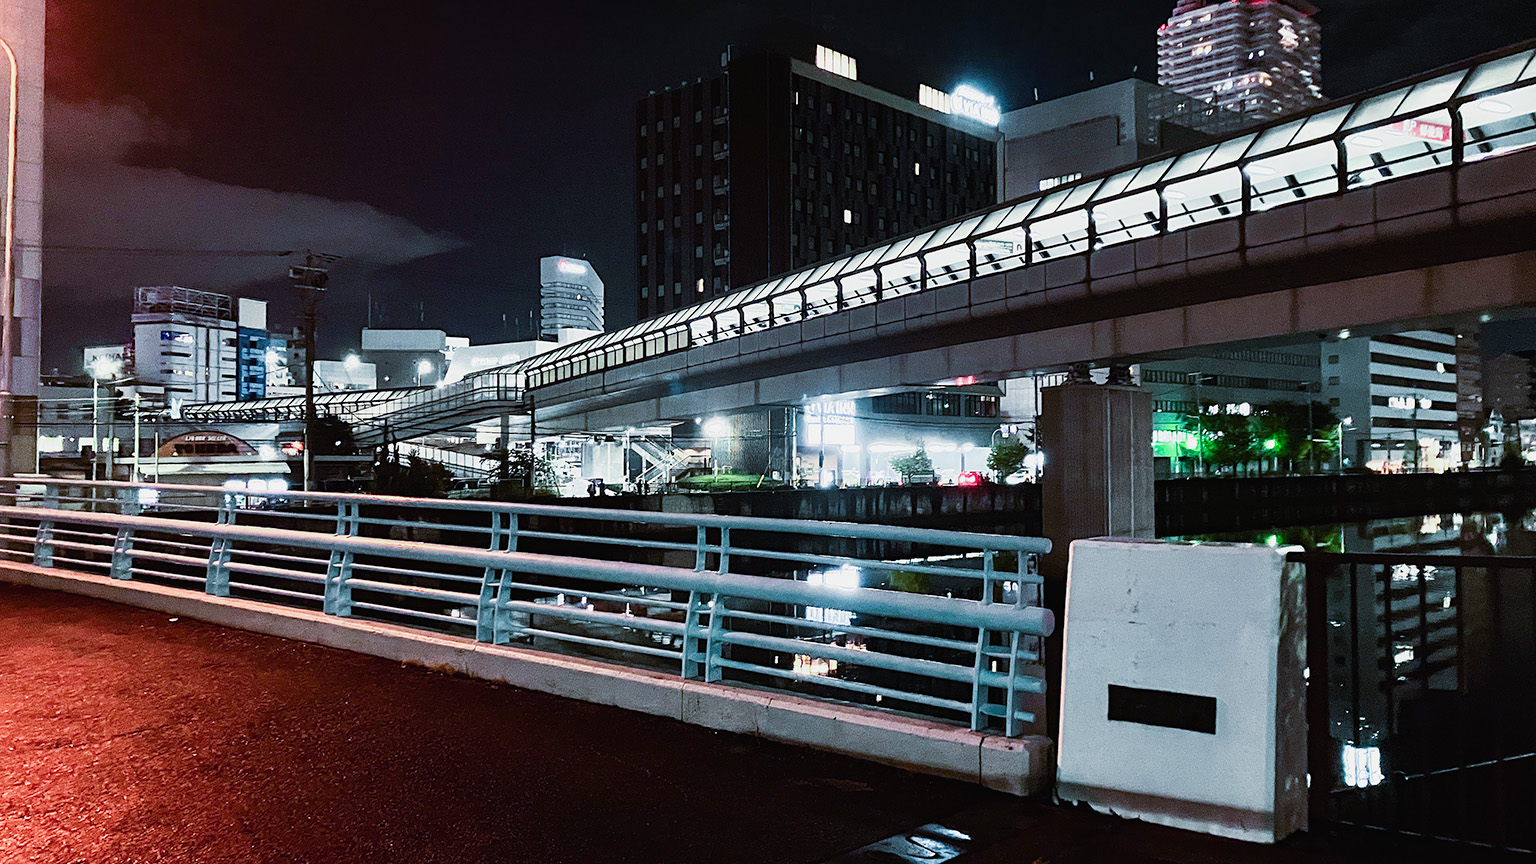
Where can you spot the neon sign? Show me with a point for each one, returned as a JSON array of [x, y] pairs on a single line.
[[571, 267], [966, 101]]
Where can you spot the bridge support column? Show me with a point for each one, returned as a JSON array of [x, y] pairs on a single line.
[[1097, 482]]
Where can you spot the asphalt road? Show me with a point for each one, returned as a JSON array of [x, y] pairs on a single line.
[[126, 736]]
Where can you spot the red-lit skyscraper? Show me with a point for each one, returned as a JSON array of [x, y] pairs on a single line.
[[1258, 57]]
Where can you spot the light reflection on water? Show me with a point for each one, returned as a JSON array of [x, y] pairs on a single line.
[[1439, 533]]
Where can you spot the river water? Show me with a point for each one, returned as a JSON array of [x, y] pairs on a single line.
[[1441, 533]]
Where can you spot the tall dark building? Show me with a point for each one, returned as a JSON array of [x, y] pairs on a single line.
[[787, 156]]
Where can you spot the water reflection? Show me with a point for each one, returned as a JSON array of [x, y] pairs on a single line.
[[1431, 673], [1438, 533]]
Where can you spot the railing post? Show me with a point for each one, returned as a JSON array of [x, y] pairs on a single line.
[[1320, 753], [725, 550], [338, 573], [1342, 155], [122, 554], [979, 699], [713, 647], [695, 644], [128, 502], [492, 619], [42, 547], [219, 551], [701, 551]]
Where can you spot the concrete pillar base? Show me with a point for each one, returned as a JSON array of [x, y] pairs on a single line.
[[1098, 478]]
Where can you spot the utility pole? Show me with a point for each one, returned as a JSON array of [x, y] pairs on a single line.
[[309, 280]]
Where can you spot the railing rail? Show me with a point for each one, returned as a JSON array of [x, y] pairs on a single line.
[[975, 660]]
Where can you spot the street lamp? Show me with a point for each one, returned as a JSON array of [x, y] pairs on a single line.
[[716, 428], [100, 369]]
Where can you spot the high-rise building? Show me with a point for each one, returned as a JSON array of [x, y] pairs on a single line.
[[1260, 58], [790, 154], [570, 296], [201, 346]]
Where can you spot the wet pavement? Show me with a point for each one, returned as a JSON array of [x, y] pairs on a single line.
[[128, 736]]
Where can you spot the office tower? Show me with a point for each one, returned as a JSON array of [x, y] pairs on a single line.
[[1261, 58], [792, 153], [570, 296]]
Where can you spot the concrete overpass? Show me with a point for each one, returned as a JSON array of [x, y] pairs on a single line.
[[1412, 204], [1407, 205]]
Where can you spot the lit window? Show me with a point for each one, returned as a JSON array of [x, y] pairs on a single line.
[[837, 63], [917, 169], [847, 217], [701, 285]]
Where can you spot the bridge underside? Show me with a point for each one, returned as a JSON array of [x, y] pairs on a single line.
[[1432, 249]]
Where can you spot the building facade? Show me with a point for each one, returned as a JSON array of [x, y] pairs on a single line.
[[22, 31], [199, 345], [789, 155], [1100, 130], [570, 296], [1396, 397], [1259, 58]]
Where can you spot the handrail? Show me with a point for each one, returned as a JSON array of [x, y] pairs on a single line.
[[929, 652], [1034, 621], [933, 536]]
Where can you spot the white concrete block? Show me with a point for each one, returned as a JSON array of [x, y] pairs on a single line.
[[1182, 694], [1018, 766]]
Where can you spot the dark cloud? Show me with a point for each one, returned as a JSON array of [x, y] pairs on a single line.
[[98, 199]]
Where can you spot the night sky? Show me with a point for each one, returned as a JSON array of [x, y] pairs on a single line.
[[443, 146]]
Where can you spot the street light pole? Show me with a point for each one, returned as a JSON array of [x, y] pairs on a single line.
[[309, 280], [137, 440], [95, 423]]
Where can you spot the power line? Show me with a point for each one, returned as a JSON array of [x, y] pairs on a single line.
[[142, 250]]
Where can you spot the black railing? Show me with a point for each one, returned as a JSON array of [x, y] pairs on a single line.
[[1421, 689]]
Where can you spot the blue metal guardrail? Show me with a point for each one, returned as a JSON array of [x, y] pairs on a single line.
[[819, 632]]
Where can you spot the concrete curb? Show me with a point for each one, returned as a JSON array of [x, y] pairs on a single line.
[[1018, 766]]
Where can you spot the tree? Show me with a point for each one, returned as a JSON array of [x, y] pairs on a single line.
[[1224, 440], [1296, 434], [519, 466], [914, 465], [1007, 457], [410, 477]]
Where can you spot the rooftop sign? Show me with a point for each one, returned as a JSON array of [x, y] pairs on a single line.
[[966, 101]]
